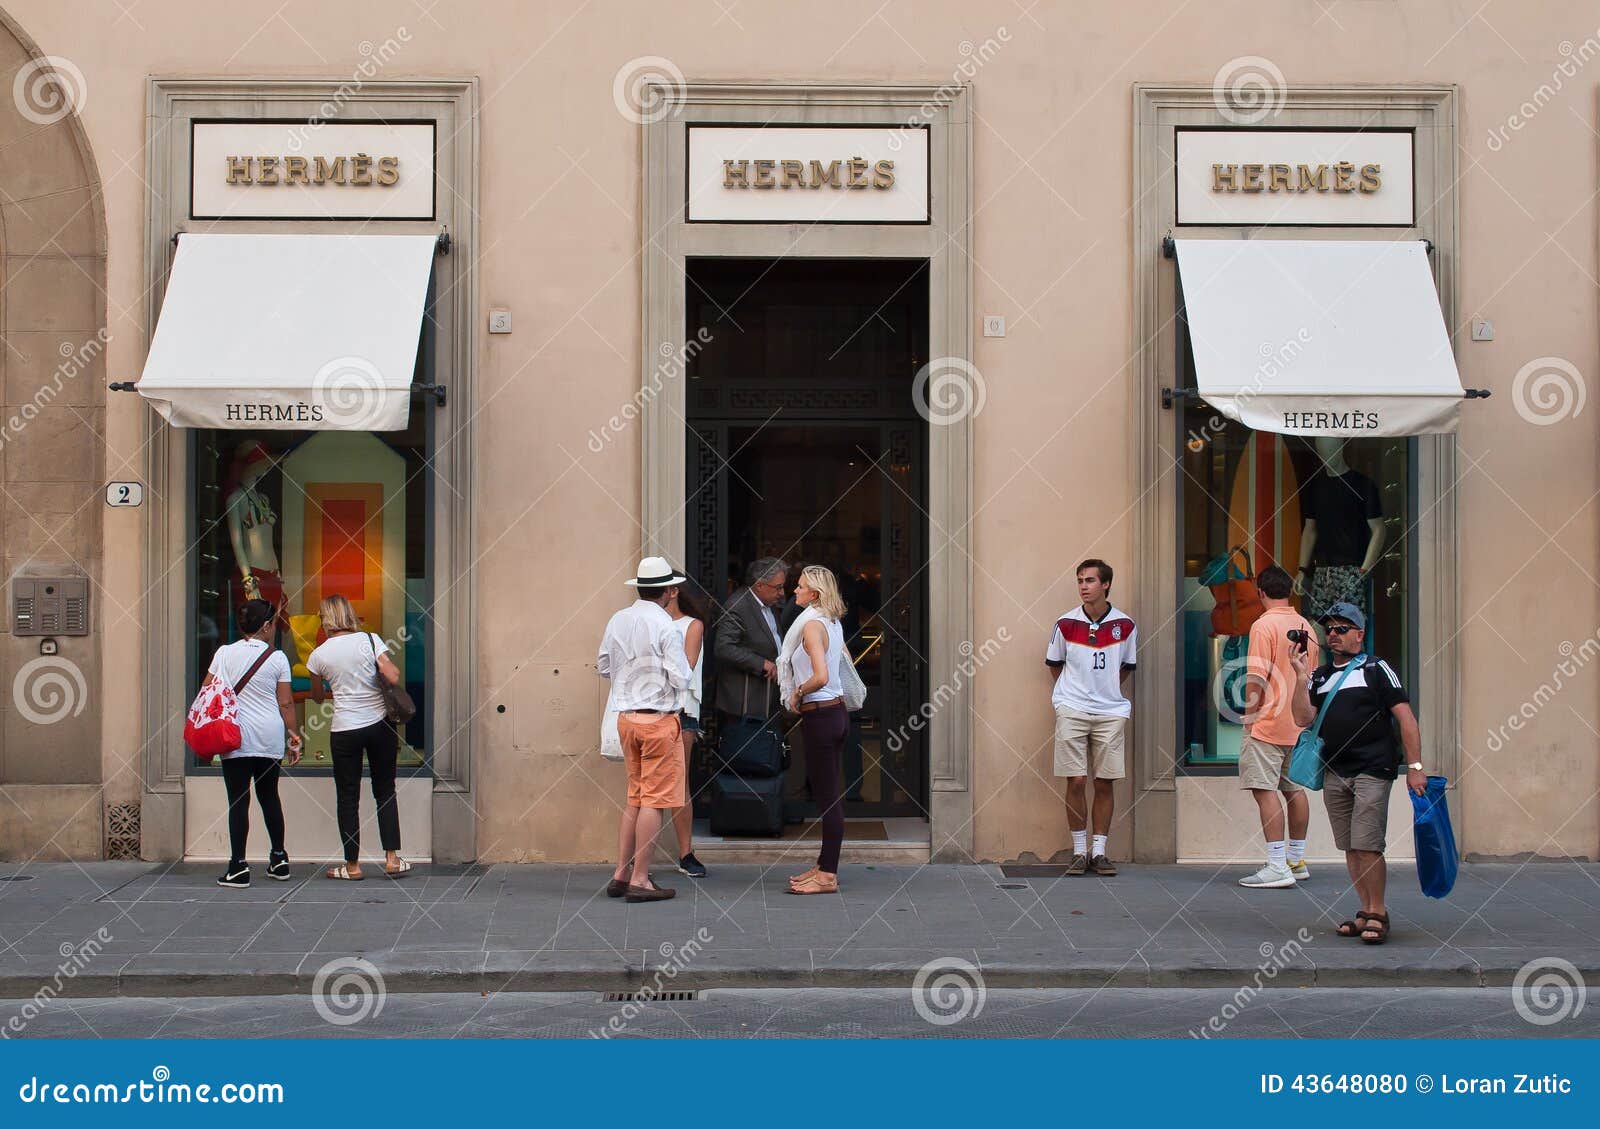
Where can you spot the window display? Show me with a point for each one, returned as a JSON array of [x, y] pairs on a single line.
[[1337, 512], [293, 517]]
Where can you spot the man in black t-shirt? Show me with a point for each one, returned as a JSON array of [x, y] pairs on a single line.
[[1361, 755]]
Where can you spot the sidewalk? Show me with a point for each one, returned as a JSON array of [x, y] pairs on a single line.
[[108, 928]]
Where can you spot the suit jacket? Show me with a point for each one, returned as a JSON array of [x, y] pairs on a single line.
[[742, 643]]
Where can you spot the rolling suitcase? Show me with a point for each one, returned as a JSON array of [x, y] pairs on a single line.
[[741, 806]]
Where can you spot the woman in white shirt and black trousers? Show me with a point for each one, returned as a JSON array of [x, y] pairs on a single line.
[[350, 663], [266, 724], [819, 700]]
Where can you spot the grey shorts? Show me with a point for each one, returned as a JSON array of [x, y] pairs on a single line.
[[1358, 809], [1264, 767]]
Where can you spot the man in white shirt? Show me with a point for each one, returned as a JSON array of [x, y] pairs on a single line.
[[643, 655], [1090, 655]]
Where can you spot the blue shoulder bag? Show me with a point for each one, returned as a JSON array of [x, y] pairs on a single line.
[[1305, 762]]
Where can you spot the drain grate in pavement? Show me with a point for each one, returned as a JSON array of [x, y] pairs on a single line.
[[1010, 885], [657, 997], [17, 878], [1034, 870]]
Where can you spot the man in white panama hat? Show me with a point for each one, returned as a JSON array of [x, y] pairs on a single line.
[[643, 656]]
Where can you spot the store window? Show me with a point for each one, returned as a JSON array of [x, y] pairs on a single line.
[[296, 516], [1342, 508]]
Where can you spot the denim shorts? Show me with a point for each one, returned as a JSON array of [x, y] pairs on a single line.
[[691, 724]]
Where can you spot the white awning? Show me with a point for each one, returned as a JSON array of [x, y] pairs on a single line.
[[303, 332], [1323, 337]]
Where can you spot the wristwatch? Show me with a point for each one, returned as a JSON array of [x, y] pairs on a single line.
[[1415, 766]]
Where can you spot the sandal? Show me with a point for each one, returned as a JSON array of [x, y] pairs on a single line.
[[397, 871], [796, 879], [817, 883], [1351, 928], [342, 873], [1376, 923]]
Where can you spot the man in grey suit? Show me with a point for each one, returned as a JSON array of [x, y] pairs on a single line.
[[748, 638]]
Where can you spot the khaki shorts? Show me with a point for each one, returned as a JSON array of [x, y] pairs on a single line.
[[653, 755], [1358, 809], [1264, 766], [1085, 737]]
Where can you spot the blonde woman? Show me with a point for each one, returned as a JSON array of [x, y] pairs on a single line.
[[813, 649], [351, 662]]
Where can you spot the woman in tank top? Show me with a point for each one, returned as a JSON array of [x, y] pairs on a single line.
[[819, 700]]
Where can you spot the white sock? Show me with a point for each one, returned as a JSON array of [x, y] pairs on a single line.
[[1080, 842], [1099, 846], [1275, 853], [1297, 850]]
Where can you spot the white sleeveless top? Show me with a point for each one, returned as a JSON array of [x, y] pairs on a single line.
[[802, 663], [689, 700]]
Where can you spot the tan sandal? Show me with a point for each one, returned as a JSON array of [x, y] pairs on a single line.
[[817, 883], [342, 873], [796, 879], [397, 871]]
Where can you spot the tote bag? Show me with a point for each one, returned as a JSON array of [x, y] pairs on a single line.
[[1238, 600], [212, 726], [1436, 840], [1305, 762]]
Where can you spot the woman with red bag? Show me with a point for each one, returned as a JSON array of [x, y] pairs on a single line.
[[260, 677]]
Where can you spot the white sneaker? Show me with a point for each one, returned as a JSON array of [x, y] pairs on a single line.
[[1300, 870], [1269, 877]]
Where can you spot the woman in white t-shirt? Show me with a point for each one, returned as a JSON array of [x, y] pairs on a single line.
[[350, 663], [689, 618], [266, 724]]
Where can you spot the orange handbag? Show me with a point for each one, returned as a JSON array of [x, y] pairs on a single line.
[[1238, 601]]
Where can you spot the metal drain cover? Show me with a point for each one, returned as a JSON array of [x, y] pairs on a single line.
[[17, 878], [658, 998]]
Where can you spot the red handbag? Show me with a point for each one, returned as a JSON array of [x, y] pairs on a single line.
[[212, 727], [1238, 600]]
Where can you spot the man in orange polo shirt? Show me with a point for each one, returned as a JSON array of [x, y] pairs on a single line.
[[1270, 731]]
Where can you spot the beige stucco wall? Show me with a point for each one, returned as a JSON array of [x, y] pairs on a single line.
[[1052, 244]]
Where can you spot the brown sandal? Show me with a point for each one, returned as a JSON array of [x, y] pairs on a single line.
[[1376, 923], [1351, 928], [818, 883]]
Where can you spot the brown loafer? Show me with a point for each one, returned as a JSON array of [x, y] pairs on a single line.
[[650, 893], [1077, 866], [1102, 866], [616, 887]]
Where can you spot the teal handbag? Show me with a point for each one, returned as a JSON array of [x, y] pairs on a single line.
[[1305, 762]]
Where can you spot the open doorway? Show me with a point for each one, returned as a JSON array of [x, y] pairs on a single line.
[[805, 443]]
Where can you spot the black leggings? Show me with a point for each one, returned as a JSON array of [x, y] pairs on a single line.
[[237, 773], [381, 745], [825, 732]]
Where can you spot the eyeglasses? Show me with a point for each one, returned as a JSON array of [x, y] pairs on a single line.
[[1341, 629]]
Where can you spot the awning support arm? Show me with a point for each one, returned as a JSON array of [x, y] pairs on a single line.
[[434, 390]]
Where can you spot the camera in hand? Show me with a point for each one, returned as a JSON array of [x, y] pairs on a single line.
[[1299, 637]]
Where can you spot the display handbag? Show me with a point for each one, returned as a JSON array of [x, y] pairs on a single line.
[[212, 727], [855, 690], [1238, 600], [397, 704], [1305, 762]]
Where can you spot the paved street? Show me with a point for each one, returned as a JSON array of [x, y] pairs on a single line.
[[107, 929], [750, 1013]]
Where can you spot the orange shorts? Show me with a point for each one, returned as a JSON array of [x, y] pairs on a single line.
[[653, 755]]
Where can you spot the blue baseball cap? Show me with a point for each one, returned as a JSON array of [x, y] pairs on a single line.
[[1345, 611]]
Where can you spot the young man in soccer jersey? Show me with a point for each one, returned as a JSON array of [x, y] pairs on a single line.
[[1090, 657]]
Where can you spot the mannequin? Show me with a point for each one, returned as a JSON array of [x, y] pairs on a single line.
[[1343, 536], [251, 521]]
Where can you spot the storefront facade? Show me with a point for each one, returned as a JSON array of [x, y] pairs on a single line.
[[912, 319]]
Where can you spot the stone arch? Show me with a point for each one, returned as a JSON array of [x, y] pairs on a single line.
[[52, 450]]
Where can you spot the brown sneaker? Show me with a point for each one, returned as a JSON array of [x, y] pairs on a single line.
[[1077, 866], [1103, 866]]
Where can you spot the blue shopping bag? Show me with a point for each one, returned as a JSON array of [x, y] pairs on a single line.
[[1436, 841]]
